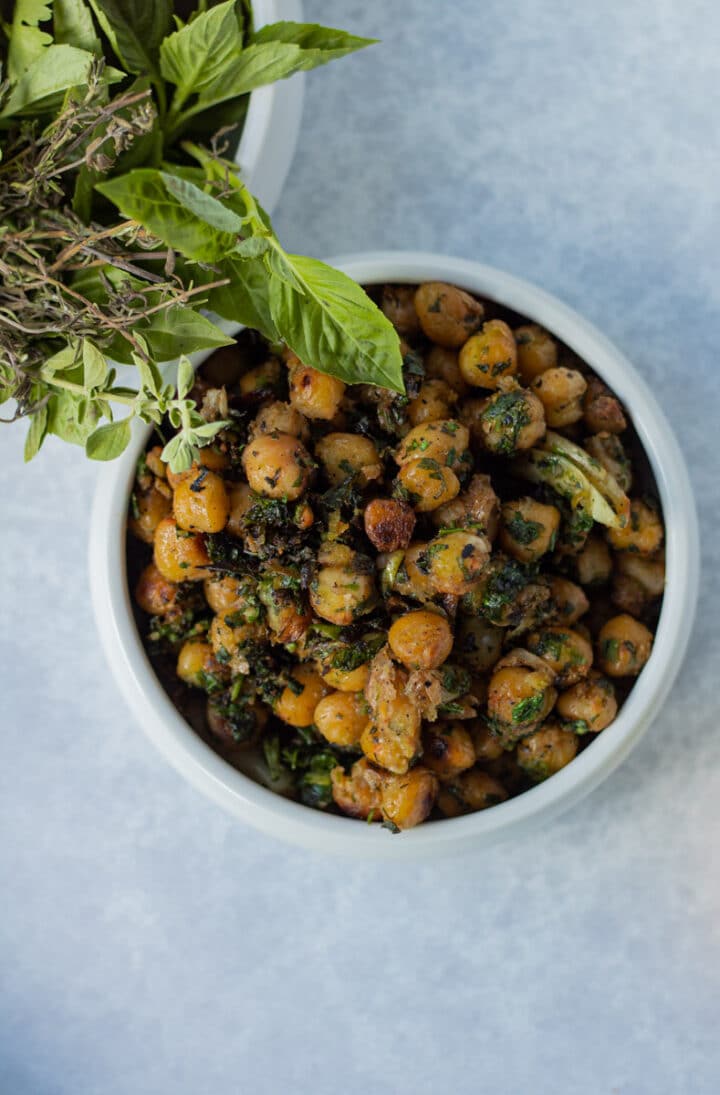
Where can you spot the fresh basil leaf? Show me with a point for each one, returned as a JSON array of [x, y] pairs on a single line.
[[108, 441], [198, 55], [135, 29], [203, 205], [36, 433], [94, 365], [180, 330], [185, 377], [245, 298], [26, 41], [319, 44], [73, 25], [53, 72], [255, 67]]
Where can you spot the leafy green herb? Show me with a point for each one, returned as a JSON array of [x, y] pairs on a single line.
[[522, 530], [525, 711]]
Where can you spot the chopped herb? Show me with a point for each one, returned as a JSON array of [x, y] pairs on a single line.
[[527, 710], [522, 530]]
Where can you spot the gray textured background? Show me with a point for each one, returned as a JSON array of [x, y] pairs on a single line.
[[148, 943]]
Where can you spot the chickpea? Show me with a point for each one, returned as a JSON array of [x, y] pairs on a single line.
[[593, 564], [608, 450], [229, 638], [155, 594], [239, 731], [569, 601], [489, 356], [427, 484], [442, 364], [568, 653], [448, 749], [447, 315], [288, 617], [280, 417], [406, 800], [590, 704], [341, 718], [392, 740], [529, 529], [486, 744], [637, 582], [223, 368], [240, 498], [389, 524], [478, 644], [297, 702], [150, 507], [445, 442], [277, 466], [624, 645], [398, 304], [343, 587], [507, 597], [343, 454], [470, 414], [512, 421], [226, 595], [642, 534], [536, 351], [421, 639], [546, 751], [519, 699], [201, 504], [196, 662], [357, 794], [469, 792], [432, 403], [212, 459], [560, 391], [179, 556], [265, 376], [602, 410], [411, 580], [455, 560], [346, 680], [315, 394]]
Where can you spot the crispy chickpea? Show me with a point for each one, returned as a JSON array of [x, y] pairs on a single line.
[[411, 580], [421, 639], [427, 484], [637, 581], [357, 793], [179, 556], [445, 441], [149, 509], [546, 751], [448, 749], [265, 376], [314, 394], [536, 351], [343, 587], [560, 391], [155, 594], [226, 594], [469, 792], [407, 799], [567, 652], [442, 364], [602, 410], [229, 637], [519, 698], [341, 718], [343, 454], [478, 506], [201, 504], [394, 744], [345, 680], [389, 523], [280, 417], [240, 731], [478, 644], [432, 403], [211, 458], [196, 661], [624, 646], [398, 304], [240, 498], [486, 745], [277, 466], [448, 316], [288, 616], [489, 356], [512, 421], [529, 529], [609, 451], [642, 534], [590, 704], [593, 563], [297, 702], [455, 560], [569, 601]]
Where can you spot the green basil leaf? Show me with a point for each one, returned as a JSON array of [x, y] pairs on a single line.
[[94, 365], [203, 205], [198, 54], [319, 44], [53, 72], [181, 330], [135, 29], [108, 441], [26, 41], [255, 67], [36, 433], [245, 298], [185, 377], [73, 25]]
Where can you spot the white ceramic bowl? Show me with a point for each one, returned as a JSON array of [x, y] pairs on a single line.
[[327, 832]]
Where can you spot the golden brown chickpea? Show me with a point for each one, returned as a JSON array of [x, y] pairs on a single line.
[[341, 718], [536, 351], [155, 594], [448, 749], [608, 450], [591, 702], [241, 499], [345, 680], [196, 662], [426, 484], [529, 529], [637, 581], [432, 403], [447, 315], [411, 580], [179, 556], [297, 702], [264, 376], [226, 595], [343, 587], [486, 745], [314, 394], [445, 441], [567, 652], [201, 504], [392, 740], [593, 564], [442, 364], [469, 792], [149, 509], [519, 699], [398, 304], [489, 356], [560, 391], [602, 410], [478, 643], [470, 413], [343, 454], [454, 561], [642, 534], [229, 637], [478, 507], [357, 794], [624, 646], [277, 466], [280, 417], [237, 733], [288, 616], [421, 639], [546, 751], [211, 458], [406, 800], [569, 601], [389, 524], [512, 421]]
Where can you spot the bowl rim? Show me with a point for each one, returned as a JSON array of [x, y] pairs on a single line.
[[280, 817]]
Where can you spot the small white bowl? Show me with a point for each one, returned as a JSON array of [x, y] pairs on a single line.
[[328, 832]]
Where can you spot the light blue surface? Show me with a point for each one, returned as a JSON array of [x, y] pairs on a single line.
[[150, 945]]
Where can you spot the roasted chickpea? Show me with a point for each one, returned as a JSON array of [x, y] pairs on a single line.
[[536, 351], [529, 529], [277, 466], [265, 376], [560, 391], [395, 743], [642, 534], [445, 442], [226, 595], [280, 417], [478, 644], [508, 596], [343, 454], [341, 718], [442, 364], [345, 680], [637, 582], [469, 792], [512, 421], [624, 646], [567, 652], [297, 702], [546, 751], [398, 304], [489, 356], [239, 730], [593, 564], [389, 524], [411, 580], [211, 458], [229, 636], [288, 616], [608, 450], [343, 587], [196, 662], [486, 745], [357, 794], [407, 799], [478, 507], [569, 601], [223, 368], [421, 639], [427, 484], [602, 410], [240, 498], [314, 394], [432, 403], [448, 316], [454, 561], [448, 749], [180, 556], [590, 705], [519, 699], [201, 504], [155, 594], [149, 508]]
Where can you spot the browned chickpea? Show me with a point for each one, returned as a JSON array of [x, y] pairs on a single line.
[[240, 498], [261, 377], [546, 751], [392, 741], [226, 595], [411, 580], [445, 441], [602, 410], [297, 702], [442, 364], [196, 663], [624, 646], [448, 749], [432, 403], [536, 351], [179, 556], [314, 394], [341, 718], [148, 510], [286, 612], [201, 504], [277, 466], [642, 534], [529, 529], [447, 315], [519, 699], [469, 792], [280, 417], [489, 356], [236, 732], [567, 652], [560, 391], [357, 794], [478, 643], [343, 454], [155, 594], [512, 421], [229, 637], [421, 639], [637, 582], [223, 368], [426, 484], [470, 413], [478, 506], [398, 304], [345, 680], [589, 705], [569, 601], [389, 524], [486, 745], [211, 458], [454, 561], [609, 451], [593, 564], [343, 587], [407, 799]]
